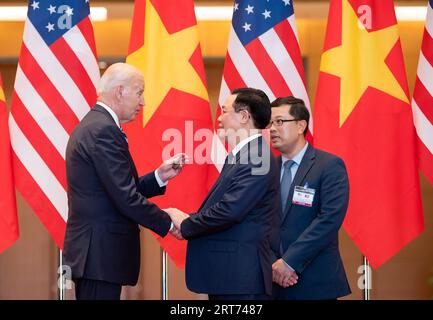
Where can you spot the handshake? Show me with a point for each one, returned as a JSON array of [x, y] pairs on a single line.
[[177, 216]]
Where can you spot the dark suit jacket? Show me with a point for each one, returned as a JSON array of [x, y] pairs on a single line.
[[229, 238], [309, 235], [107, 201]]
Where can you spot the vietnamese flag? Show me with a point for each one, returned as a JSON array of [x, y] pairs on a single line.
[[164, 45], [363, 114], [8, 208]]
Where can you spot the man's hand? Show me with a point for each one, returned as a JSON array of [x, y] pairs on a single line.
[[283, 275], [176, 216], [172, 167], [175, 232]]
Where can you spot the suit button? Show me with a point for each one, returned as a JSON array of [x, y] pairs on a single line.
[[283, 229]]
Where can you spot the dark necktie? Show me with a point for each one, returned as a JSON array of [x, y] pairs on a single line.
[[286, 183]]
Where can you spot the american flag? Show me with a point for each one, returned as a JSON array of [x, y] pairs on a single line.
[[263, 51], [54, 88], [422, 102]]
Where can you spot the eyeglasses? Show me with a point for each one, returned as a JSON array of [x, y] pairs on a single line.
[[280, 122]]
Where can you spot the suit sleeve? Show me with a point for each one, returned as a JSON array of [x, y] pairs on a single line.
[[334, 197], [113, 167], [243, 193], [149, 187]]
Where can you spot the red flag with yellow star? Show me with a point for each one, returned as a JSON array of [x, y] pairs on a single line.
[[8, 209], [363, 114], [164, 45]]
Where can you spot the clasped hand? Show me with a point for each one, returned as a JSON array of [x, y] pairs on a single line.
[[177, 216]]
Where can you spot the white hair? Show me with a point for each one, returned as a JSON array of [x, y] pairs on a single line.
[[116, 75]]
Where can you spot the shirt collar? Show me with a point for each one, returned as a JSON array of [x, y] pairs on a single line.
[[298, 157], [244, 142], [111, 112]]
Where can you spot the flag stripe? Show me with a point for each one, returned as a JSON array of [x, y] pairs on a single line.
[[285, 64], [39, 202], [39, 140], [263, 52], [46, 90], [288, 36], [287, 68], [54, 89], [245, 66], [427, 47], [41, 113], [425, 72], [233, 79], [423, 99], [80, 50], [55, 71], [69, 60], [429, 20], [424, 127], [266, 66], [38, 169], [86, 29]]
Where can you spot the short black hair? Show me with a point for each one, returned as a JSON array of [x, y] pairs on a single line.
[[256, 102], [297, 110]]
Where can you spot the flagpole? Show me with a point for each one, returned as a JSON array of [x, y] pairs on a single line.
[[164, 275], [61, 284], [367, 279]]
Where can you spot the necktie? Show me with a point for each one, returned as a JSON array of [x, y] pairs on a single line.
[[124, 135], [286, 183]]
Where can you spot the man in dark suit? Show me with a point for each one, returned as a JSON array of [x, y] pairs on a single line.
[[229, 248], [314, 200], [107, 198]]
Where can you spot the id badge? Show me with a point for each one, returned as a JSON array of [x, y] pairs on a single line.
[[303, 196]]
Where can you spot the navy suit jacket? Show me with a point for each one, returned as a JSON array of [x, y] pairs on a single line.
[[309, 235], [229, 247], [107, 201]]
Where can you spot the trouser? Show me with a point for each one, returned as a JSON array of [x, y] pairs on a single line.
[[86, 289]]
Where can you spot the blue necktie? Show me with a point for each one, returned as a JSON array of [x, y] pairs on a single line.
[[286, 183]]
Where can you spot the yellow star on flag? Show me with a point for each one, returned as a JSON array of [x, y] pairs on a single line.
[[360, 62], [164, 61]]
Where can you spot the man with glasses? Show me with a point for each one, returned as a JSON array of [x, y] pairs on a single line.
[[314, 200]]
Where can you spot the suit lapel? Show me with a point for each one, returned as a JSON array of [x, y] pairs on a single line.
[[229, 167], [223, 173], [304, 167]]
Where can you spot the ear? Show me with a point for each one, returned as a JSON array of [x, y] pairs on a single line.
[[245, 116], [119, 92], [302, 124]]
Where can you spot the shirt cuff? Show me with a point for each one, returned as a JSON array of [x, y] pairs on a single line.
[[158, 179], [291, 269]]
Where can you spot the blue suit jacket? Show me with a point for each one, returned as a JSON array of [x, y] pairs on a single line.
[[309, 235], [107, 201], [229, 247]]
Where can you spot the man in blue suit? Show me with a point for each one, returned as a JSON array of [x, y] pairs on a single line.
[[314, 200], [229, 247], [107, 198]]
